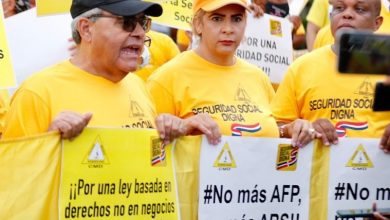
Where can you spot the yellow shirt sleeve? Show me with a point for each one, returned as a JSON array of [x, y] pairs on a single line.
[[324, 37], [284, 106], [27, 115], [319, 13], [182, 38], [162, 97]]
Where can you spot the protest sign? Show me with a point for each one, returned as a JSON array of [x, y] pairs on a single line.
[[117, 174], [44, 40], [7, 77], [49, 7], [254, 178], [268, 44], [176, 13], [358, 176]]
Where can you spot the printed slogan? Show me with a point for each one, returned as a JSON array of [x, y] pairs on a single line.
[[116, 174]]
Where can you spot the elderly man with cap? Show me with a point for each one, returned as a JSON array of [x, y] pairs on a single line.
[[94, 86]]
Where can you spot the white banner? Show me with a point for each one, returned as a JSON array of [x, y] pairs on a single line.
[[37, 42], [268, 45], [359, 175], [254, 178]]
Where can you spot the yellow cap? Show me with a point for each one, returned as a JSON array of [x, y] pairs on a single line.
[[211, 5]]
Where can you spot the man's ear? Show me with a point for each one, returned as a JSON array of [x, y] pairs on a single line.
[[378, 22], [84, 29]]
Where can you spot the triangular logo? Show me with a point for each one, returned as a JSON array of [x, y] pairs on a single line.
[[360, 159], [242, 95], [225, 158], [96, 154], [135, 109], [366, 89]]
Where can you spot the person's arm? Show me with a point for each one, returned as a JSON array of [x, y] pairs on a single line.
[[8, 7], [311, 33], [385, 140], [379, 216], [29, 114]]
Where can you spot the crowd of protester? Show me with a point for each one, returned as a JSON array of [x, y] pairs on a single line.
[[176, 83]]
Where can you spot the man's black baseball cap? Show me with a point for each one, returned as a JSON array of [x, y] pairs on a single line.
[[117, 7]]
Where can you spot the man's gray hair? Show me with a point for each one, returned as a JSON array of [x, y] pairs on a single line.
[[75, 33]]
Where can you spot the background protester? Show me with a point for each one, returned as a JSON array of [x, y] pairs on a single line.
[[346, 108]]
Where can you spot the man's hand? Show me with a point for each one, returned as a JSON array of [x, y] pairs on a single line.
[[70, 124], [385, 140], [327, 130], [171, 127]]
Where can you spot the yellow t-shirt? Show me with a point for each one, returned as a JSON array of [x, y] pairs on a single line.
[[3, 108], [324, 36], [161, 50], [313, 89], [319, 13], [65, 87], [182, 38], [237, 97]]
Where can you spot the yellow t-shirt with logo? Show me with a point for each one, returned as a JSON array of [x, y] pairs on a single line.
[[319, 13], [313, 89], [65, 87], [237, 97], [161, 50], [324, 36]]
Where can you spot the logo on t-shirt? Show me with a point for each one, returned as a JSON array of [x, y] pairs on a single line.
[[242, 95], [237, 129], [135, 109], [342, 126], [366, 89]]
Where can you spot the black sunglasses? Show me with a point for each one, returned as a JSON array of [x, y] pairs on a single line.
[[129, 22], [147, 41]]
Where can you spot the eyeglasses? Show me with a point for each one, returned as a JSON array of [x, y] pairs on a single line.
[[129, 23], [147, 41]]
